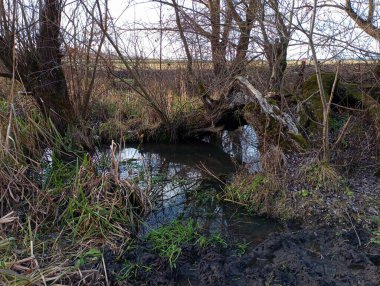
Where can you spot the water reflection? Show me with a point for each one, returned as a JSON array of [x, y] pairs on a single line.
[[242, 144]]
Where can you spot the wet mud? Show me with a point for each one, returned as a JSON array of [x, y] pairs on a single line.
[[305, 257]]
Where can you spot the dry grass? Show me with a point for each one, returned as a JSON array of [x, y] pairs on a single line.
[[266, 192], [319, 175], [158, 114], [274, 161], [47, 228], [56, 213], [261, 193], [30, 261], [104, 206]]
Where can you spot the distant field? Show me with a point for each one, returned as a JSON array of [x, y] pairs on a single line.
[[181, 64]]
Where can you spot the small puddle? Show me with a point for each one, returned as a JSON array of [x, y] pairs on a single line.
[[184, 181]]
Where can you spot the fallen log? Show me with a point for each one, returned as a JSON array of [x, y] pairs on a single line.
[[244, 104], [269, 109]]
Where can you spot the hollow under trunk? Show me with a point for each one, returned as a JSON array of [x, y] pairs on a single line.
[[244, 104]]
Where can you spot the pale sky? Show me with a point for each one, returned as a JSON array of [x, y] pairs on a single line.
[[143, 14]]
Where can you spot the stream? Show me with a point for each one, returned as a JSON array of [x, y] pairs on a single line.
[[184, 182]]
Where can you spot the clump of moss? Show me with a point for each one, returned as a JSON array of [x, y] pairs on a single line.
[[310, 86], [310, 108], [376, 232], [299, 140], [310, 105]]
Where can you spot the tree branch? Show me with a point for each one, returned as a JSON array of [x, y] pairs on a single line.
[[366, 25]]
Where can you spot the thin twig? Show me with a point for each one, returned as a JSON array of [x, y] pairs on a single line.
[[342, 132], [353, 226], [105, 271], [204, 168]]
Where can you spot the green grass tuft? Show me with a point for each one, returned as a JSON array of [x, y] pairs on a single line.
[[168, 240]]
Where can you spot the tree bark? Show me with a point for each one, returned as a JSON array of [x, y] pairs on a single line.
[[219, 38], [183, 39], [278, 66], [276, 51], [245, 27]]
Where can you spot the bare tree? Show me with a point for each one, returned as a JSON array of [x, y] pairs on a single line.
[[275, 22], [212, 21], [224, 25], [326, 99], [245, 18], [117, 43], [83, 43], [183, 39]]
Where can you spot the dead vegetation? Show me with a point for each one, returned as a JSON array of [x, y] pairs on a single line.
[[56, 208], [266, 192]]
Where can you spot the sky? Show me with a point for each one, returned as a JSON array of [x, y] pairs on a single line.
[[137, 17]]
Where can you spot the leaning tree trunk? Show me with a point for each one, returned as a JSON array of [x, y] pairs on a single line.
[[240, 61], [48, 84], [39, 65], [243, 104]]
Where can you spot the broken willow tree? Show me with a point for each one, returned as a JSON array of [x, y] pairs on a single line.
[[30, 42]]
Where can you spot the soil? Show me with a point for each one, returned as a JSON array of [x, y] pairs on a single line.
[[355, 202], [306, 257]]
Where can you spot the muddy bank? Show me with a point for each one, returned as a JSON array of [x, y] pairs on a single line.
[[306, 257], [323, 257], [355, 198]]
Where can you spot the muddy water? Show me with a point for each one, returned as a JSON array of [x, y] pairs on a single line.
[[185, 180]]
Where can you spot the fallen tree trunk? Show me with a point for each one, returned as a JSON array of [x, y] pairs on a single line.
[[243, 104], [269, 109]]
